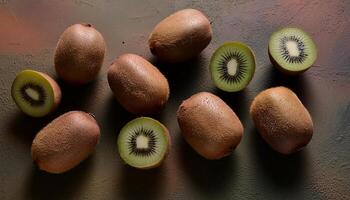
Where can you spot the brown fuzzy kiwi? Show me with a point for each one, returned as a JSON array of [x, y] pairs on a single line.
[[79, 54], [138, 85], [209, 125], [181, 36], [65, 142], [282, 120]]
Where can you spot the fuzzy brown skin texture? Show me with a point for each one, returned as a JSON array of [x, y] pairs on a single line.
[[65, 142], [56, 91], [209, 125], [282, 120], [138, 85], [79, 54], [181, 36], [283, 70]]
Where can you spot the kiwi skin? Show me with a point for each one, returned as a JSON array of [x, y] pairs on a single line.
[[56, 91], [65, 142], [282, 120], [79, 54], [138, 85], [209, 125], [181, 36]]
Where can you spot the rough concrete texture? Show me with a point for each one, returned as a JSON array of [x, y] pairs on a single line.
[[29, 32]]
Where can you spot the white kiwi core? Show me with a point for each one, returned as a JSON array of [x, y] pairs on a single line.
[[32, 94], [232, 66], [142, 142], [292, 48]]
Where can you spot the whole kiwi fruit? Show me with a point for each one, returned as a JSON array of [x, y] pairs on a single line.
[[138, 85], [65, 142], [282, 120], [181, 36], [209, 125], [79, 54]]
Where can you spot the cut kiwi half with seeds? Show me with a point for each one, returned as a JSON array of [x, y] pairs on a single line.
[[35, 93], [143, 143], [232, 66], [292, 50]]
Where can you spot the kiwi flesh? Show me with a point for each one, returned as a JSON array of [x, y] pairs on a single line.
[[232, 66], [180, 36], [143, 143], [35, 93], [79, 54], [138, 85], [65, 142], [292, 50], [282, 120], [209, 125]]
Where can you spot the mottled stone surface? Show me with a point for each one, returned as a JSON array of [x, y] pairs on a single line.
[[29, 32]]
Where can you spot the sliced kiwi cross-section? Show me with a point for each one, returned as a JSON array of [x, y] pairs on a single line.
[[143, 143], [35, 93], [232, 66], [292, 50]]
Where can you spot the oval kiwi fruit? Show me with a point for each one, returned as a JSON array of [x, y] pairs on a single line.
[[181, 36], [79, 54], [65, 142], [138, 85], [292, 50], [232, 66], [282, 120], [35, 93], [209, 125], [144, 143]]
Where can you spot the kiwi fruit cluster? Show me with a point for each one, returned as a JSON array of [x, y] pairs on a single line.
[[207, 123]]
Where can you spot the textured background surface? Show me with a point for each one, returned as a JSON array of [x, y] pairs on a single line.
[[29, 31]]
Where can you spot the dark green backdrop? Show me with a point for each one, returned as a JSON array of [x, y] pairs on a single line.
[[29, 31]]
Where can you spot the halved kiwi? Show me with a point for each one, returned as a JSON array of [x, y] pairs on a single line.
[[143, 143], [232, 66], [35, 93], [292, 50]]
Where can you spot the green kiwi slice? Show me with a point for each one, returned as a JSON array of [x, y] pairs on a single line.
[[143, 143], [35, 93], [232, 66], [292, 50]]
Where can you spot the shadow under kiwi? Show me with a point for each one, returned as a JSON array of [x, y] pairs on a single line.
[[182, 77], [142, 184], [69, 185], [297, 83], [77, 97], [282, 171], [210, 177], [25, 127], [236, 100]]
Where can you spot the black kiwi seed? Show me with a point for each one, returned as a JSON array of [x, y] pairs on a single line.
[[142, 151], [301, 48], [241, 69], [38, 89]]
